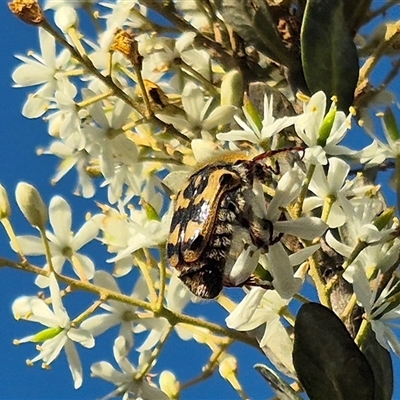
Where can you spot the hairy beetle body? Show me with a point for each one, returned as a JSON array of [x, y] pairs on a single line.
[[212, 211]]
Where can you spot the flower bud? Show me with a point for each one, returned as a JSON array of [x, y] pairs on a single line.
[[228, 367], [384, 218], [5, 209], [65, 18], [151, 212], [252, 111], [46, 334], [390, 125], [31, 204], [169, 384], [232, 88], [326, 127]]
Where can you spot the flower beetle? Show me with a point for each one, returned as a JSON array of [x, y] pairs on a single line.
[[212, 213]]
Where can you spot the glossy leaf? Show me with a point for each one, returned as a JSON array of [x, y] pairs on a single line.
[[253, 22], [328, 363], [281, 388], [356, 12], [381, 363], [329, 55]]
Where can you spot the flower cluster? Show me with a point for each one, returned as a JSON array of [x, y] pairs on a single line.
[[138, 117]]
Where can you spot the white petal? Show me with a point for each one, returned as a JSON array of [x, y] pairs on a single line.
[[235, 135], [336, 217], [56, 301], [107, 372], [155, 334], [302, 255], [178, 295], [51, 348], [388, 335], [220, 116], [60, 219], [74, 363], [148, 392], [203, 150], [379, 328], [278, 341], [65, 17], [305, 227], [47, 47], [100, 323], [179, 123], [126, 332], [120, 351], [193, 102], [243, 266], [337, 173], [105, 280], [21, 306], [86, 266], [279, 264], [42, 313], [31, 245], [362, 288], [88, 232], [246, 308], [341, 248], [310, 203], [81, 336], [31, 74], [319, 184]]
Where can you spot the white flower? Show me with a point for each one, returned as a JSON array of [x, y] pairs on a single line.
[[360, 216], [127, 385], [276, 260], [60, 332], [64, 245], [334, 187], [160, 54], [177, 297], [47, 70], [378, 151], [66, 121], [308, 127], [264, 307], [124, 235], [374, 154], [118, 313], [71, 157], [199, 116], [251, 132], [192, 13], [382, 322]]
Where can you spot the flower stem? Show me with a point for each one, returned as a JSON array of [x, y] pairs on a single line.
[[163, 275], [173, 317], [208, 369], [13, 238], [362, 332], [157, 350], [298, 207], [47, 249]]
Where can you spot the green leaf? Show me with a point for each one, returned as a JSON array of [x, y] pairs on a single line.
[[281, 388], [253, 22], [328, 363], [329, 55], [381, 363], [356, 12]]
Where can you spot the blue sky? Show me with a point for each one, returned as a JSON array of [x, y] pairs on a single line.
[[20, 139]]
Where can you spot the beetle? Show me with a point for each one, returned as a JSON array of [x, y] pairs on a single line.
[[213, 213]]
